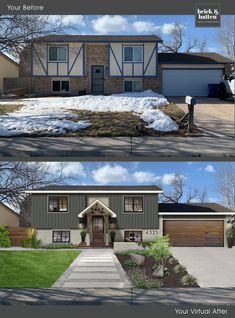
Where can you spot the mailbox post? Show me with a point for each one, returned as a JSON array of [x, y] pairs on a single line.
[[191, 101]]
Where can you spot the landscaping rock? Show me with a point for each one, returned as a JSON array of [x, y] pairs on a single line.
[[138, 259], [158, 272]]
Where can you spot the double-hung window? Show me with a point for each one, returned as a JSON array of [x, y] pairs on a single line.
[[133, 204], [133, 53], [57, 54], [57, 203]]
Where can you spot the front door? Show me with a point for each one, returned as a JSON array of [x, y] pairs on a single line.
[[97, 79], [98, 229]]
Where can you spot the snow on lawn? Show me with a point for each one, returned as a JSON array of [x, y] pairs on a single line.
[[52, 115]]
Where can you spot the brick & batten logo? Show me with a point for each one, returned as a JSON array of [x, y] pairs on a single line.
[[207, 15]]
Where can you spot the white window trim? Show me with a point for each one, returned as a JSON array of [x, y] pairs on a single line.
[[56, 61], [59, 80], [132, 80], [133, 46]]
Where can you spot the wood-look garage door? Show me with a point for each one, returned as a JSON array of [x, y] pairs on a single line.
[[195, 233]]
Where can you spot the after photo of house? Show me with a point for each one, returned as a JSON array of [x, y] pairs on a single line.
[[96, 226], [81, 83]]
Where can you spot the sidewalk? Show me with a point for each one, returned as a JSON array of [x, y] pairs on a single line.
[[94, 268], [118, 147], [71, 296]]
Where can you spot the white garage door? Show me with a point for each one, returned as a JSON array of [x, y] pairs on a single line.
[[193, 82]]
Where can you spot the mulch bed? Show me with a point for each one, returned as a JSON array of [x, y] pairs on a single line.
[[173, 280]]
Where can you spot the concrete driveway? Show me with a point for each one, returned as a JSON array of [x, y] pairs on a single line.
[[213, 116], [212, 266]]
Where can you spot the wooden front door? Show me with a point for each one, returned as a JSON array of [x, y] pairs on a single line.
[[97, 79], [98, 229]]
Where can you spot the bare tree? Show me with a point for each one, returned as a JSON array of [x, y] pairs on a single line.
[[181, 42], [15, 30], [226, 36], [180, 190], [16, 177], [226, 185]]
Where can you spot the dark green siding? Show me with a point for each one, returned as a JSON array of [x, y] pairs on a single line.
[[77, 202]]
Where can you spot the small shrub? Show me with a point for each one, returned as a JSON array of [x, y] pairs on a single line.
[[160, 249], [166, 271], [31, 241], [172, 260], [4, 236], [59, 245], [83, 235], [189, 281], [140, 280], [179, 268], [130, 263], [144, 244]]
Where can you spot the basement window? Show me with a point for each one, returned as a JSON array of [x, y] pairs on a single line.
[[132, 85], [60, 86], [60, 236], [132, 236], [57, 203]]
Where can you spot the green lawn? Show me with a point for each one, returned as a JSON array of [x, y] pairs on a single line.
[[34, 269]]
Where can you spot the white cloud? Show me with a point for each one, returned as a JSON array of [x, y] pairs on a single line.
[[145, 177], [145, 27], [167, 178], [209, 168], [70, 169], [110, 174], [68, 20], [108, 23], [167, 27]]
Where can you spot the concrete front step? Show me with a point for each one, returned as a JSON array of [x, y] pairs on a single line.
[[99, 269], [95, 264], [94, 276], [94, 284]]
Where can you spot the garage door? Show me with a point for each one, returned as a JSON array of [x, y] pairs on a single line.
[[195, 233], [189, 82]]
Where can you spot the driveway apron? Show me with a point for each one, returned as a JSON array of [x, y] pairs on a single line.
[[94, 268]]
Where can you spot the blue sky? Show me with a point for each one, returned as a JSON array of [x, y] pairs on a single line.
[[197, 174], [132, 24]]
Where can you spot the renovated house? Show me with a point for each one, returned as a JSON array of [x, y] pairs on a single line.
[[97, 64], [60, 213], [8, 216], [8, 67]]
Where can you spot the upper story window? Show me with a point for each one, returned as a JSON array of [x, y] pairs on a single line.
[[57, 54], [133, 53], [133, 204], [57, 203]]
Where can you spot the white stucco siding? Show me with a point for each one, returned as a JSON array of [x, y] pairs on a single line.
[[150, 66], [75, 59], [39, 59], [115, 51], [72, 67], [116, 56]]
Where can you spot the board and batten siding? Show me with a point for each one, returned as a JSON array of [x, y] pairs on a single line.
[[42, 219], [74, 66], [117, 66]]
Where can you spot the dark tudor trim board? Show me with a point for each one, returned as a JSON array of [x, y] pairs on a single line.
[[202, 224]]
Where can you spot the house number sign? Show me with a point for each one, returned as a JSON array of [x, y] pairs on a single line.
[[151, 232]]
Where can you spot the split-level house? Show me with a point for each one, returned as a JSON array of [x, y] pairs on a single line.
[[98, 64], [60, 213]]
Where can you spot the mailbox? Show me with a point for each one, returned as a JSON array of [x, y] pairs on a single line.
[[190, 100]]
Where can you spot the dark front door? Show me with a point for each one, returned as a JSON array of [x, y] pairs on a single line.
[[97, 79], [98, 229]]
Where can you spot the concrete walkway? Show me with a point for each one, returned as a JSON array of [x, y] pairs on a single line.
[[212, 266], [76, 296], [94, 268], [208, 145]]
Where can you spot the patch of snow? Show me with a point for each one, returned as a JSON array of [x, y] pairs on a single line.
[[52, 114], [157, 120]]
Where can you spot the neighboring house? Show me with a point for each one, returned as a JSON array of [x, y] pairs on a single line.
[[8, 216], [60, 213], [8, 68], [97, 64]]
